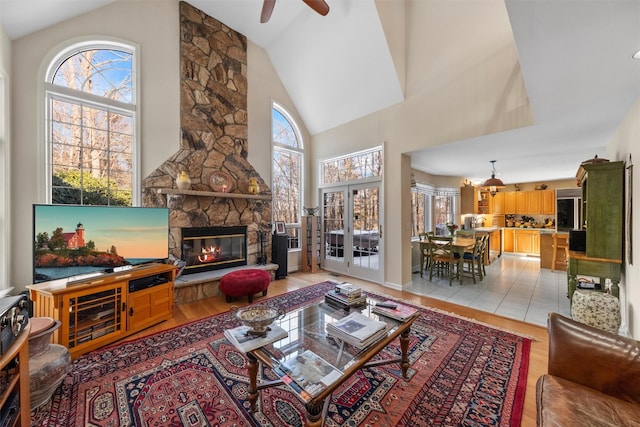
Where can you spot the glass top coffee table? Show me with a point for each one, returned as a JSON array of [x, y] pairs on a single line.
[[314, 363]]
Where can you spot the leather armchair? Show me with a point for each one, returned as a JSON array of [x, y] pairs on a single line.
[[593, 377]]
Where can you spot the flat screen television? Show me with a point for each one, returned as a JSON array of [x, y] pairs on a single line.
[[74, 242]]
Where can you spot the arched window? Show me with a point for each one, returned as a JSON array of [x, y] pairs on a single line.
[[90, 95], [287, 174]]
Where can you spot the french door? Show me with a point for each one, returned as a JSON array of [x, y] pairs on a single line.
[[352, 231]]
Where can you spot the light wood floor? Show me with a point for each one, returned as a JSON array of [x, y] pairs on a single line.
[[185, 313]]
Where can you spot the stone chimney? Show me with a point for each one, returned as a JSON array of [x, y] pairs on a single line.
[[213, 121]]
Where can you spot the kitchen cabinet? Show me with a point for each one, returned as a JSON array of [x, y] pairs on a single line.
[[522, 202], [103, 309], [495, 244], [484, 204], [527, 242], [548, 202], [498, 204], [510, 202], [535, 202], [508, 235], [468, 200]]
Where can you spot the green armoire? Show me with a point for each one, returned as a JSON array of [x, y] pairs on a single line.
[[603, 208], [603, 218]]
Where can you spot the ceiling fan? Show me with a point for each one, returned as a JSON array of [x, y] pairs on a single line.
[[319, 6]]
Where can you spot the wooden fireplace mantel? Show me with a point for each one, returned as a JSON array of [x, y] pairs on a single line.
[[197, 193]]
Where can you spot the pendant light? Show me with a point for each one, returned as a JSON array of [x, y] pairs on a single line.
[[493, 184]]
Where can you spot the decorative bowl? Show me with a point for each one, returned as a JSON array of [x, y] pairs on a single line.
[[257, 317], [311, 211]]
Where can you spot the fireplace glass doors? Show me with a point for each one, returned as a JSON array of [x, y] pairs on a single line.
[[213, 248]]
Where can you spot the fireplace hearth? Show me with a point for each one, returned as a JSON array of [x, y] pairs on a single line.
[[213, 248]]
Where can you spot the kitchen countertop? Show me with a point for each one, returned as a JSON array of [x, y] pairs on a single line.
[[487, 229]]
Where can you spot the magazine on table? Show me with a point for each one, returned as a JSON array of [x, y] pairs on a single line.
[[357, 329], [400, 312], [307, 373], [247, 342]]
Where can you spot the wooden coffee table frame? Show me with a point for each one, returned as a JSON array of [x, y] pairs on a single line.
[[317, 405]]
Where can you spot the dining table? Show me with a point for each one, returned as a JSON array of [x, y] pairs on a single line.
[[459, 245]]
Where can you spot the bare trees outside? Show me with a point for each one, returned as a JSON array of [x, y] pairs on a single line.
[[91, 128], [286, 186]]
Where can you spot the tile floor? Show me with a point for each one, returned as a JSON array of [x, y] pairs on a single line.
[[514, 287]]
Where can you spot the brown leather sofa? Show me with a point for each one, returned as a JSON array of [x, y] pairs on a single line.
[[593, 379]]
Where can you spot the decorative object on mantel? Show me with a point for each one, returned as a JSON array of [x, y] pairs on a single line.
[[493, 184], [253, 187], [183, 182], [311, 211], [220, 182]]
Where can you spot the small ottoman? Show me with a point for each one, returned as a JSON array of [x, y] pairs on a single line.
[[245, 283], [597, 309]]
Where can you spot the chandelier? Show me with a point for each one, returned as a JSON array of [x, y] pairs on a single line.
[[493, 184]]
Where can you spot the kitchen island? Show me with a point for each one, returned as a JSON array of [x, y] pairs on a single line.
[[494, 248]]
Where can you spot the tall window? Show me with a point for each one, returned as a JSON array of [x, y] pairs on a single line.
[[287, 175], [431, 208], [91, 122]]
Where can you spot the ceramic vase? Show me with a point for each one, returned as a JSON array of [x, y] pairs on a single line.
[[183, 182], [48, 365]]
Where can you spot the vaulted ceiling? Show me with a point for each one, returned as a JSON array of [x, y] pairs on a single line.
[[575, 57]]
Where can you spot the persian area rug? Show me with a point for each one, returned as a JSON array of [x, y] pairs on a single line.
[[463, 373]]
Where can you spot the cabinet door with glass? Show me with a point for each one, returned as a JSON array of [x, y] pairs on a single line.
[[96, 317]]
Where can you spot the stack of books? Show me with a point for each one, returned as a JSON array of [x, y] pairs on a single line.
[[358, 330], [348, 290], [394, 310], [346, 295], [246, 342]]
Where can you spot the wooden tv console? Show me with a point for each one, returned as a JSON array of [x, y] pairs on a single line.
[[103, 309]]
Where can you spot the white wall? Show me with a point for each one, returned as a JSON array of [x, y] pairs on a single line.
[[623, 144], [5, 166], [475, 89], [154, 26]]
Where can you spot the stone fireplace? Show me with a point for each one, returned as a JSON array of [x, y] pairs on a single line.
[[213, 110], [213, 144]]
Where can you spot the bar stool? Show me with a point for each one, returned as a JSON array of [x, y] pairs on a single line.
[[560, 242]]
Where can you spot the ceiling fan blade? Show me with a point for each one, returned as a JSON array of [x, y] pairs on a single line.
[[319, 6], [267, 10]]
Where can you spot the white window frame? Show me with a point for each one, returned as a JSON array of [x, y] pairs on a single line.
[[57, 58], [374, 178], [275, 146]]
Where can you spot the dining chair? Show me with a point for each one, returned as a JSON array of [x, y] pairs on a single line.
[[442, 256], [424, 251], [473, 259], [560, 243], [484, 256]]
